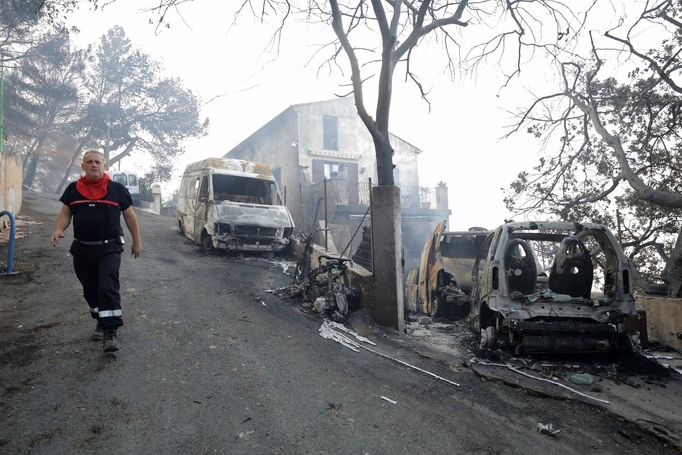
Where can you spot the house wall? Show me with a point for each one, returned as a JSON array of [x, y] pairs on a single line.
[[276, 144], [405, 158], [355, 144]]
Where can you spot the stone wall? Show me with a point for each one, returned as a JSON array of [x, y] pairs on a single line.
[[664, 320], [11, 180]]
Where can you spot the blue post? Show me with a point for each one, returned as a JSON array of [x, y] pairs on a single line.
[[12, 229]]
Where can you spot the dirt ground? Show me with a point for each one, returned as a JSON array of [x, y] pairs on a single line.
[[643, 388]]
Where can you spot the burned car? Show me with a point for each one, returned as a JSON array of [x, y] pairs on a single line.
[[552, 287], [441, 286]]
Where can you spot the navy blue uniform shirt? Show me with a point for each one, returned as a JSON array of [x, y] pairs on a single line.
[[97, 219]]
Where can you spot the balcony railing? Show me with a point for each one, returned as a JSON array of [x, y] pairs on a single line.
[[344, 192]]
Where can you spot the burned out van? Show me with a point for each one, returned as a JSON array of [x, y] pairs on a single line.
[[233, 205]]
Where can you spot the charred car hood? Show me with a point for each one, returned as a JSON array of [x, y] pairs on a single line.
[[262, 215]]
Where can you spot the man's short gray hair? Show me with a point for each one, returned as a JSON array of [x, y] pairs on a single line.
[[91, 151]]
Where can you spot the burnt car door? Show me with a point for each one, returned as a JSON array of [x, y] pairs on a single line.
[[427, 260], [201, 209], [480, 280]]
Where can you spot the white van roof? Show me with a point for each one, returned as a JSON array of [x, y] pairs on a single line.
[[232, 166]]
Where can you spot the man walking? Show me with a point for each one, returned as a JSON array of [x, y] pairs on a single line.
[[96, 203]]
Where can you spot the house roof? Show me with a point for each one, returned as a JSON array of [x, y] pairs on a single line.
[[271, 121], [293, 107], [417, 149]]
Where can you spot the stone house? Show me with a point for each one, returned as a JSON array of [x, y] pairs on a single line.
[[323, 148]]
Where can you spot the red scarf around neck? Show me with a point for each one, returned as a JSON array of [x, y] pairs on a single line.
[[93, 189]]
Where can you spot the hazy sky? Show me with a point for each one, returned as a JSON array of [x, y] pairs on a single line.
[[460, 136]]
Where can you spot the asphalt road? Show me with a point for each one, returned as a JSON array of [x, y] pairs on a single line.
[[212, 363]]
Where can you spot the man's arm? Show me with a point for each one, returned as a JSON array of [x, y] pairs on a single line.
[[63, 221], [134, 228]]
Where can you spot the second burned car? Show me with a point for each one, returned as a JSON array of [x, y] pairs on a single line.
[[552, 287], [442, 284], [531, 286]]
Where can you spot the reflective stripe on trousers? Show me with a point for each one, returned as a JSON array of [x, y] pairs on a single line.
[[109, 314]]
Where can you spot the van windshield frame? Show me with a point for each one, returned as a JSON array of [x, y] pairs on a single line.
[[247, 190]]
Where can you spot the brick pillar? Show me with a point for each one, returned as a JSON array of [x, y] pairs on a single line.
[[386, 306]]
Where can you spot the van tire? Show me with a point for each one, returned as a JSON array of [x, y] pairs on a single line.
[[436, 308], [206, 242], [487, 319], [488, 338]]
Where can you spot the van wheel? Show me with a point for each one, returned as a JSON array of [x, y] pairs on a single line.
[[436, 310], [487, 319], [488, 337], [206, 242]]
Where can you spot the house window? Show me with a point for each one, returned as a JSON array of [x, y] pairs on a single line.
[[334, 169], [341, 180], [331, 139]]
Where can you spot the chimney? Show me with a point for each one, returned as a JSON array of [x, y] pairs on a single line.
[[442, 196]]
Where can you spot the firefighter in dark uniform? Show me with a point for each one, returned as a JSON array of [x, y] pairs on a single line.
[[96, 203]]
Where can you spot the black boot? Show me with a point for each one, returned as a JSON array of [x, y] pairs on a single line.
[[110, 342], [98, 334]]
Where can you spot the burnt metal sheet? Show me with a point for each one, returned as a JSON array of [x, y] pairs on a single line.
[[251, 214], [232, 166]]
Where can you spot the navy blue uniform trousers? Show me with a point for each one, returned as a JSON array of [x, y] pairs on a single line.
[[97, 269]]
